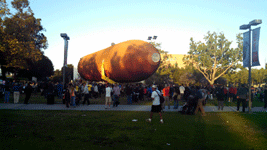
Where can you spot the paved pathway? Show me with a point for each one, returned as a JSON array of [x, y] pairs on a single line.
[[94, 107]]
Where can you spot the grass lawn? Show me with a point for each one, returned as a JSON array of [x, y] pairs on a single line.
[[30, 129], [36, 98]]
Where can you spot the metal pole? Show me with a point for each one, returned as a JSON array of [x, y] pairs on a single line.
[[65, 60], [249, 72]]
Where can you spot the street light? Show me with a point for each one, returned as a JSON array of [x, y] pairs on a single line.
[[66, 38], [244, 27], [150, 38]]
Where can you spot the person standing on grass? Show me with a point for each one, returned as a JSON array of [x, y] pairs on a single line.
[[265, 98], [166, 95], [200, 98], [116, 95], [242, 96], [182, 89], [16, 91], [108, 96], [220, 98], [156, 107], [28, 92], [59, 90], [86, 94], [72, 95], [176, 96], [67, 97], [7, 92], [96, 91], [128, 91]]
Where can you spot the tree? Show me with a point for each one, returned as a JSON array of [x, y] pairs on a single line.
[[242, 76], [258, 76], [231, 77], [4, 11], [23, 38], [215, 57], [42, 68], [57, 77], [187, 78]]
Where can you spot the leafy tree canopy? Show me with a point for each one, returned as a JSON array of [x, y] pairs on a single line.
[[22, 39], [214, 57]]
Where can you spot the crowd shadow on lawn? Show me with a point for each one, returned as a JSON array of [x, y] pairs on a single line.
[[211, 133]]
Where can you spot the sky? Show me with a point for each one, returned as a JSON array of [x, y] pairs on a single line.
[[93, 25]]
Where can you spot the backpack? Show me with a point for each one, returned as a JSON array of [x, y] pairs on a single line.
[[161, 98]]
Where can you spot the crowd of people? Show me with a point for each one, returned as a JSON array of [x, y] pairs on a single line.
[[75, 93]]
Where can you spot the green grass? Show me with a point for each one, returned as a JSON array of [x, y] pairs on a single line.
[[38, 99], [24, 129]]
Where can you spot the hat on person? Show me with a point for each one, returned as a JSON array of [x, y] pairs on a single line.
[[154, 86]]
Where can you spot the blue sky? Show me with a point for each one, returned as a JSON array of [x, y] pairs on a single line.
[[93, 25]]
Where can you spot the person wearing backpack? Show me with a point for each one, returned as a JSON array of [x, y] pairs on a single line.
[[156, 106], [242, 96], [176, 96], [265, 97], [200, 99], [220, 98]]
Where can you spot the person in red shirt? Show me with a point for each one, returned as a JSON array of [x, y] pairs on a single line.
[[166, 95], [231, 93], [225, 92], [235, 92]]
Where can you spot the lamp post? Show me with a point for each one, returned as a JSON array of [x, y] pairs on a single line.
[[245, 27], [150, 38], [66, 38]]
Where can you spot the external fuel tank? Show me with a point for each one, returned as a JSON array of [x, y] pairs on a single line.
[[129, 61]]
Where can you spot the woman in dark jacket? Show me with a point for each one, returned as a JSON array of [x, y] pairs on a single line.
[[265, 97], [28, 92], [67, 97], [7, 92]]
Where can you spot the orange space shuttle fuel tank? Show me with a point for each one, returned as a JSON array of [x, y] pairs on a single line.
[[129, 61]]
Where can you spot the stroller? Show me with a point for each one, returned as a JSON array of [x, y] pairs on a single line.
[[190, 106]]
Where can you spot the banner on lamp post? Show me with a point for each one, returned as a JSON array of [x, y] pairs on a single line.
[[246, 49], [255, 47]]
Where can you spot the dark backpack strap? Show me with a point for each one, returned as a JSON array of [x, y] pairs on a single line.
[[158, 93]]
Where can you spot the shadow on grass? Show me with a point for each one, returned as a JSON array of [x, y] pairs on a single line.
[[116, 130]]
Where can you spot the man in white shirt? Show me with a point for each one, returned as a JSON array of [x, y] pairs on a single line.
[[86, 94], [182, 89], [156, 107], [108, 96], [96, 90]]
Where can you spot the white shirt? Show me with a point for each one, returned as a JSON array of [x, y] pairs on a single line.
[[96, 88], [108, 91], [85, 89], [182, 89], [155, 95]]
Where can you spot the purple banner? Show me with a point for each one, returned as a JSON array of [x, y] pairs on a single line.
[[246, 49], [255, 47]]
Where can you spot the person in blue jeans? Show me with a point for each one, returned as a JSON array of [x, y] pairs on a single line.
[[115, 100], [176, 93], [116, 95], [129, 92], [72, 94], [59, 90], [7, 93]]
